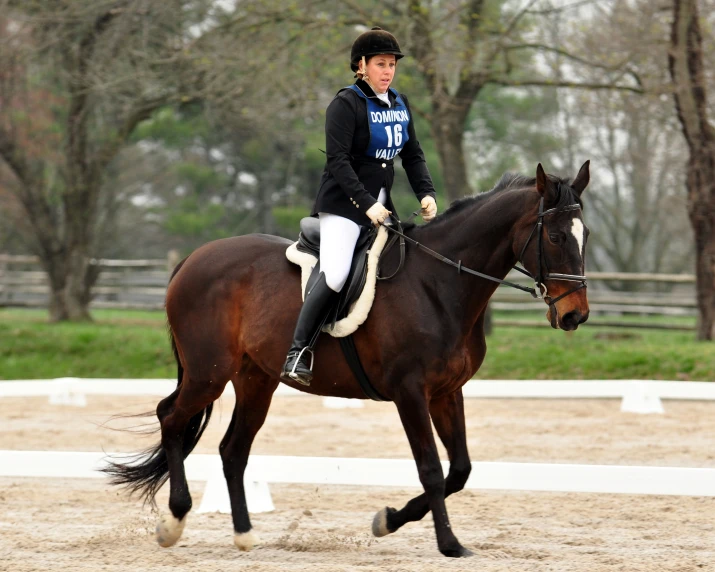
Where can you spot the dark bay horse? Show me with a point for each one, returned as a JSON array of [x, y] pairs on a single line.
[[233, 303]]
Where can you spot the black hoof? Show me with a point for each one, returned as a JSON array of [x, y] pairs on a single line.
[[457, 552]]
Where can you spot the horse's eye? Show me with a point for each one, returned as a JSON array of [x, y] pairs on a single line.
[[554, 237]]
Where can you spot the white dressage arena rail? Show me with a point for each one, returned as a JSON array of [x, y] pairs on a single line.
[[638, 396]]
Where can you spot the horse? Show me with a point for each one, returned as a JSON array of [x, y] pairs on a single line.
[[232, 305]]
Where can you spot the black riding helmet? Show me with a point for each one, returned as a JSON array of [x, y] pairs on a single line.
[[372, 43]]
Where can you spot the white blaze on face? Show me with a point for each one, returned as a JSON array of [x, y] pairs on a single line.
[[577, 231]]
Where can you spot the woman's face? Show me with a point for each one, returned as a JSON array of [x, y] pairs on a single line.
[[380, 71]]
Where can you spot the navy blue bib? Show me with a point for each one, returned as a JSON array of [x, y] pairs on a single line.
[[388, 127]]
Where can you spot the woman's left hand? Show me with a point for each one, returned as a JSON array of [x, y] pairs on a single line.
[[429, 208]]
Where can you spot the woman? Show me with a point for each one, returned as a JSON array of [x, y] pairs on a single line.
[[367, 124]]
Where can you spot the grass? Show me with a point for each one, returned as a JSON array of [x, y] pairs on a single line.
[[597, 353], [120, 344], [134, 344]]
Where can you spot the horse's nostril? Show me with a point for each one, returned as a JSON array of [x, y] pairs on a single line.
[[572, 319]]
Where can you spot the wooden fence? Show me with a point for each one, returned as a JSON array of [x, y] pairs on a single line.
[[122, 284], [141, 284]]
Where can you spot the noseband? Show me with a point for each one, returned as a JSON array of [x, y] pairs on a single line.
[[540, 289]]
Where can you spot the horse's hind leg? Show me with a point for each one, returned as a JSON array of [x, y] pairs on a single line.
[[448, 417], [254, 391], [180, 416]]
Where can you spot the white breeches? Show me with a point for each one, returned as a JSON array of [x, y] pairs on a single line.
[[338, 237]]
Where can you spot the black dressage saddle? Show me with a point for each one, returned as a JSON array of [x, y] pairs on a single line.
[[309, 241]]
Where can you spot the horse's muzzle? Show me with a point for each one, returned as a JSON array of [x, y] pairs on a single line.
[[568, 322]]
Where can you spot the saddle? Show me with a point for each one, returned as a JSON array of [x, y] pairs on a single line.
[[353, 305]]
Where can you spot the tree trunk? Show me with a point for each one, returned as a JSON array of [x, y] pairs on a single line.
[[701, 207], [71, 278], [686, 69], [447, 127]]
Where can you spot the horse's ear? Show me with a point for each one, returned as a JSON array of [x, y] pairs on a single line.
[[542, 181], [581, 180]]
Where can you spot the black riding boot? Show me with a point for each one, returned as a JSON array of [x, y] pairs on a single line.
[[299, 363]]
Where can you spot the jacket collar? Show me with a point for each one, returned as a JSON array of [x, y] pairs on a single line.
[[368, 91]]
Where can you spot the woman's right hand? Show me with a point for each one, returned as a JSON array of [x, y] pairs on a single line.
[[378, 213]]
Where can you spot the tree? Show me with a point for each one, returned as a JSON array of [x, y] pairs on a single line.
[[213, 173], [83, 75], [638, 215], [639, 212], [462, 47], [76, 53], [687, 70]]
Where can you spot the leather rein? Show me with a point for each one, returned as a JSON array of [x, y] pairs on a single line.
[[539, 291]]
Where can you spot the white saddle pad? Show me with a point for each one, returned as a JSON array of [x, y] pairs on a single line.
[[361, 307]]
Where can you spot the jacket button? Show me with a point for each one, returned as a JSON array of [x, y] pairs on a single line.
[[384, 165]]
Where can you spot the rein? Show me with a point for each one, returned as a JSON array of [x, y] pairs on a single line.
[[539, 291]]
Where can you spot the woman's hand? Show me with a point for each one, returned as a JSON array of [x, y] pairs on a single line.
[[429, 208], [378, 214]]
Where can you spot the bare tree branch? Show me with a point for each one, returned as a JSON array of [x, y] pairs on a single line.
[[141, 111], [622, 66], [12, 157], [424, 49], [516, 19], [551, 83], [562, 9], [472, 21]]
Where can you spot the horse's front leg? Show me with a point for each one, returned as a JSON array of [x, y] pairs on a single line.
[[448, 418], [414, 414]]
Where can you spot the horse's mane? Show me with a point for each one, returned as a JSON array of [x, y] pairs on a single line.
[[565, 194]]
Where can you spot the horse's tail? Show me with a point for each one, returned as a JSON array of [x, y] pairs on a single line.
[[148, 470]]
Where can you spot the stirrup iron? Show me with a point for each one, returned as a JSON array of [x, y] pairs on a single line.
[[292, 374]]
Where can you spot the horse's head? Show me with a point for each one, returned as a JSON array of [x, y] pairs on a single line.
[[552, 247]]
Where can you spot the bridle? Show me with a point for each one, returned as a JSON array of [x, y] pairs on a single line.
[[539, 291]]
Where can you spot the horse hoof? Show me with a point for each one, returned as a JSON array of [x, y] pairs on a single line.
[[458, 552], [379, 523], [245, 541], [169, 529]]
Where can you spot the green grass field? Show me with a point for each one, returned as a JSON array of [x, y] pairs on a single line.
[[128, 344]]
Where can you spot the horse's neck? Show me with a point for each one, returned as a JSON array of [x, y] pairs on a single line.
[[481, 235], [481, 238]]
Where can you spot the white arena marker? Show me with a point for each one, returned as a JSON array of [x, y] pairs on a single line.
[[637, 398], [67, 391], [342, 403], [216, 499]]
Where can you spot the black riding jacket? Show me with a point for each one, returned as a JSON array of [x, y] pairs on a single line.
[[351, 181]]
